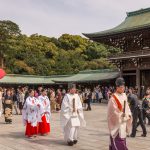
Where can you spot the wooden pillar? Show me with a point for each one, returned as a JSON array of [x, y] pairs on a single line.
[[138, 80], [121, 72], [120, 68]]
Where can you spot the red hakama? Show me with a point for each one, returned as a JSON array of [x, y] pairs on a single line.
[[30, 130], [44, 127]]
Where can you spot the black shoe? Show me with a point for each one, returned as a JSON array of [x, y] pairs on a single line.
[[143, 135], [70, 143], [75, 141], [132, 135]]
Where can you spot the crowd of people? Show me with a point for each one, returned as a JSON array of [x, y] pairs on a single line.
[[36, 106], [20, 94], [87, 96]]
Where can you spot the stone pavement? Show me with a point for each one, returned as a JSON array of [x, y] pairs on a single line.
[[94, 137]]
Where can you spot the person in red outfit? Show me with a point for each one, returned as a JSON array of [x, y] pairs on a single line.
[[30, 115], [44, 122]]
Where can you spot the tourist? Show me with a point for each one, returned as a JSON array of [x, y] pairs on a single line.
[[40, 90], [26, 93], [84, 99], [142, 92], [71, 116], [93, 96], [30, 115], [126, 90], [81, 96], [89, 98], [106, 93], [53, 100], [100, 96], [63, 92], [1, 103], [146, 106], [15, 101], [119, 117], [8, 107], [44, 122], [21, 99], [97, 94], [136, 110], [58, 100]]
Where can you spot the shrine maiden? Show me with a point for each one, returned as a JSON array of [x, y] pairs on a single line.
[[30, 115], [44, 122]]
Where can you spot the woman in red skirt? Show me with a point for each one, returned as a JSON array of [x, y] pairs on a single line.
[[30, 115], [44, 122]]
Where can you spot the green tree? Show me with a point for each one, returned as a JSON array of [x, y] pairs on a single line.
[[8, 31], [42, 55]]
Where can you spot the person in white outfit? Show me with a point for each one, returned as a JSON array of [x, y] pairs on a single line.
[[30, 115], [71, 116], [44, 123]]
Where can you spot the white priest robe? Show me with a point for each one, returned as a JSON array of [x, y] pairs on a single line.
[[71, 120], [117, 124]]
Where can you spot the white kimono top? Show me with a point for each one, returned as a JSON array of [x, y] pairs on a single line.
[[67, 109], [116, 123], [45, 107], [30, 111]]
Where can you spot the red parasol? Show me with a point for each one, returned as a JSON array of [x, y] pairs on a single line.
[[2, 73]]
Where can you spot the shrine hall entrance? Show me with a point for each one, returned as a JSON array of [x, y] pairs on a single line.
[[145, 78], [130, 78]]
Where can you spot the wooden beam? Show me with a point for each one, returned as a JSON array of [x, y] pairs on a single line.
[[129, 74]]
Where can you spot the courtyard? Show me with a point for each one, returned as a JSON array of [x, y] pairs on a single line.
[[94, 137]]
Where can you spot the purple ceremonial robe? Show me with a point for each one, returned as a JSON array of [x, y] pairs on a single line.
[[118, 143]]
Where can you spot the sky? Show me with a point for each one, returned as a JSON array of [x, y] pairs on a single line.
[[55, 17]]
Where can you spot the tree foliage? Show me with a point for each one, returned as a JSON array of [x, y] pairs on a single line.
[[41, 55]]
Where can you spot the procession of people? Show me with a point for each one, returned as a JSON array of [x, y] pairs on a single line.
[[125, 111], [35, 108]]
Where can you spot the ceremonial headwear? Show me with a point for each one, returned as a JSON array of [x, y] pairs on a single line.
[[119, 82]]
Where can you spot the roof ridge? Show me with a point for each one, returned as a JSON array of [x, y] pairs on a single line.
[[36, 76], [138, 12], [97, 71]]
